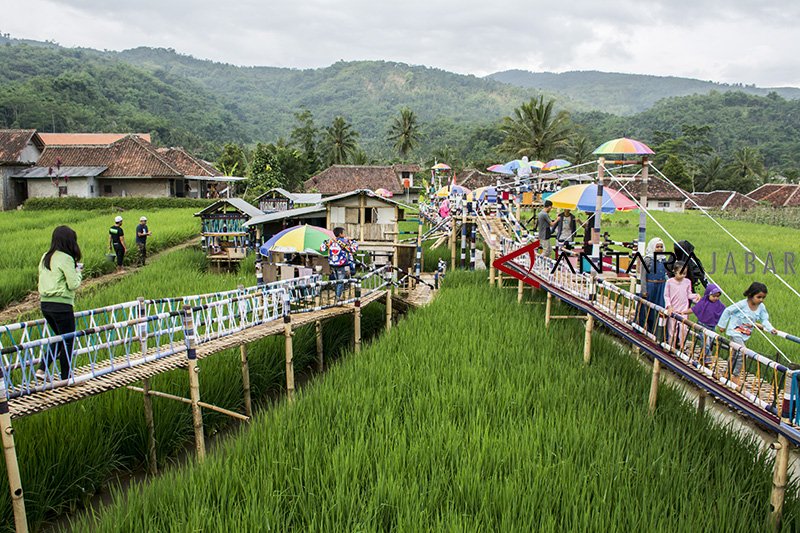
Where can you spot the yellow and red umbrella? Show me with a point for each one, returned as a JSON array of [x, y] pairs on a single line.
[[440, 166], [623, 145], [584, 197]]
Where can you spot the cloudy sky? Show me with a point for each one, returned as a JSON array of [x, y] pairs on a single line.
[[747, 41]]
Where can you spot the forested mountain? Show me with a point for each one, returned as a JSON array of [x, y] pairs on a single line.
[[625, 94], [202, 105]]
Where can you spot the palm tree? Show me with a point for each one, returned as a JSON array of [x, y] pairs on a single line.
[[536, 130], [579, 150], [339, 141], [712, 174], [404, 132], [747, 169]]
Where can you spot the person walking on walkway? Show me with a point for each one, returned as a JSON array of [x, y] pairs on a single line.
[[340, 254], [142, 233], [59, 278], [116, 241]]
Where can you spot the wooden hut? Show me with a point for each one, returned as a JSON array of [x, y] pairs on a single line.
[[279, 199], [372, 220], [226, 239]]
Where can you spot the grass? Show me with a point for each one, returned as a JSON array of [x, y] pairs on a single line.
[[67, 454], [468, 421], [26, 236]]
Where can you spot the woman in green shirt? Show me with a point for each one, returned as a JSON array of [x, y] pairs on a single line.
[[59, 278]]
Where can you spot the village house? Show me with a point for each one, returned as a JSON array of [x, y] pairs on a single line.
[[339, 179], [81, 165], [661, 196], [279, 199], [777, 194]]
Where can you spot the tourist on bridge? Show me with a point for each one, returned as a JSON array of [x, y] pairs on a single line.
[[59, 278], [684, 252], [655, 279], [565, 229], [444, 208], [708, 312], [116, 241], [340, 255], [544, 227], [739, 319], [142, 233], [677, 295]]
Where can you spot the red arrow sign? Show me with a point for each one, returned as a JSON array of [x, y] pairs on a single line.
[[501, 264]]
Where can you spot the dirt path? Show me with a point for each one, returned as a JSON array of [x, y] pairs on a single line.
[[13, 312]]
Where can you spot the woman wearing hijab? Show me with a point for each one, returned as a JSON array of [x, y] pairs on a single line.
[[654, 279], [708, 312]]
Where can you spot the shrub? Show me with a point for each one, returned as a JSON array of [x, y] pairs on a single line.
[[46, 204]]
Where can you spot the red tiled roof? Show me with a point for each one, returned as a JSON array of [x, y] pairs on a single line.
[[474, 179], [13, 142], [657, 189], [722, 200], [187, 164], [400, 167], [778, 194], [63, 139], [339, 179], [128, 157]]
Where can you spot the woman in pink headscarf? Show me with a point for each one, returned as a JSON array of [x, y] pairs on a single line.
[[444, 209]]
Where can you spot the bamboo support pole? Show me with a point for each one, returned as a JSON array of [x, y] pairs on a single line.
[[149, 419], [453, 243], [587, 339], [12, 467], [320, 347], [288, 333], [357, 321], [547, 308], [194, 383], [188, 401], [388, 309], [463, 261], [248, 403], [779, 480], [701, 403], [491, 266], [654, 386]]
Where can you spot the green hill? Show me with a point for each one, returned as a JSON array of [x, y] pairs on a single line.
[[625, 94]]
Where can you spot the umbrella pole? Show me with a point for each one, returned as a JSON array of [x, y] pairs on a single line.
[[598, 215], [641, 245]]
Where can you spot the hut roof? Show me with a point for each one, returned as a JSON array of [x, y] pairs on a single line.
[[13, 142], [722, 200], [778, 194], [237, 203], [338, 179], [299, 213]]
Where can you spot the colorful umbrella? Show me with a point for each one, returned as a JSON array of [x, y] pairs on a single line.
[[297, 239], [537, 164], [447, 190], [484, 194], [500, 169], [384, 192], [584, 197], [440, 166], [623, 145], [555, 164]]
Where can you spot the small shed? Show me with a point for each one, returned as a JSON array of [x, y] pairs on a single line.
[[279, 199], [225, 236], [269, 224], [372, 220]]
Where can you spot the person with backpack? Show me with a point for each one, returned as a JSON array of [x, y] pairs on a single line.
[[59, 278], [340, 256], [544, 228]]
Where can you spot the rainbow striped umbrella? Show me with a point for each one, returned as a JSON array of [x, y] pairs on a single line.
[[440, 166], [623, 145], [386, 193], [483, 194], [447, 190], [500, 169], [584, 197], [536, 164], [297, 239], [555, 164]]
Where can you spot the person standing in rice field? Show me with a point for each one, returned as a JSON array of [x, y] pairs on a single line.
[[116, 241], [142, 233], [59, 278]]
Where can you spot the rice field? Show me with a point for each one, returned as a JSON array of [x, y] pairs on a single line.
[[67, 454], [467, 421], [26, 236]]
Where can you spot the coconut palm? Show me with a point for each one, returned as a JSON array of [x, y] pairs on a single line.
[[536, 130], [404, 132], [747, 169], [339, 142]]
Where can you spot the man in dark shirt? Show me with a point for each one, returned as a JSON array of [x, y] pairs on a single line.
[[116, 241], [142, 232]]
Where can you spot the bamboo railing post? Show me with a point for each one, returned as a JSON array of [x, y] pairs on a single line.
[[701, 403], [453, 243], [779, 480], [463, 261], [587, 339], [248, 402], [12, 467], [357, 319], [547, 309], [194, 382], [388, 308], [320, 347], [520, 288], [149, 419], [287, 334], [654, 386]]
